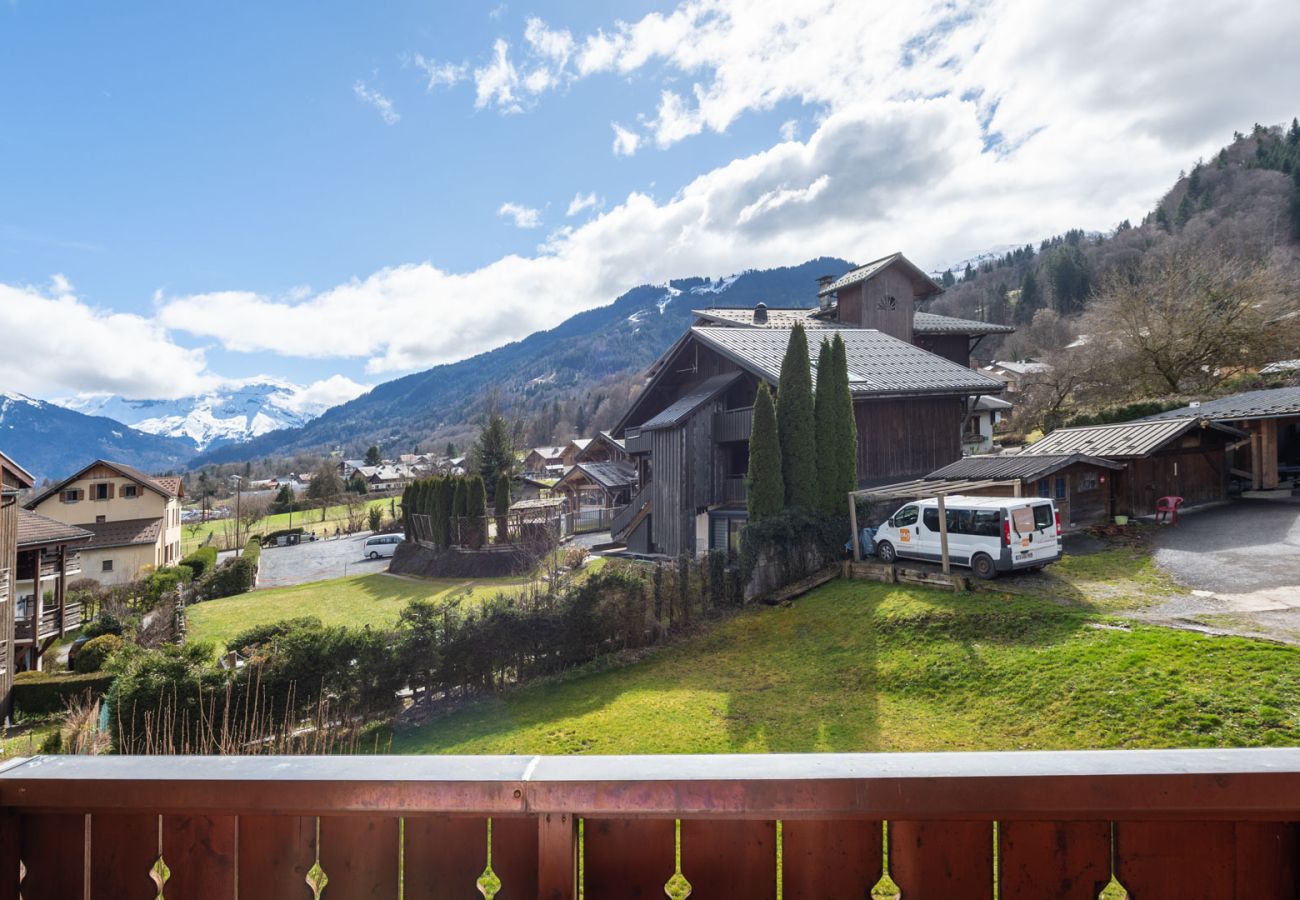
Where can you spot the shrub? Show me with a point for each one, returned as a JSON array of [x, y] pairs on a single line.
[[201, 561], [44, 694], [164, 581], [95, 652], [104, 623], [794, 543], [234, 576], [260, 635]]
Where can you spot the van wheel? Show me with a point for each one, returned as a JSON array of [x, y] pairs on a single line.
[[885, 551], [982, 565], [374, 554]]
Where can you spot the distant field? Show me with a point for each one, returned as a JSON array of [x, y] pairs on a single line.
[[858, 666], [358, 600], [193, 535]]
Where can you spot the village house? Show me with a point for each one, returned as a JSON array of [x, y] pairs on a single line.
[[688, 432], [135, 519], [48, 558], [544, 462], [1184, 457], [13, 479], [571, 450], [1081, 485], [604, 447], [977, 434], [1016, 375], [1271, 459], [527, 488], [595, 490]]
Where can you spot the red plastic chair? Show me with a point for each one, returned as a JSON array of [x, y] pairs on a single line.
[[1168, 506]]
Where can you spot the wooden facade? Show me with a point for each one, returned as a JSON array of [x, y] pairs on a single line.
[[884, 302], [1197, 472], [900, 439], [952, 347], [13, 478]]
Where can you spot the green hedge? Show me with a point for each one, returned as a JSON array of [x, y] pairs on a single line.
[[95, 652], [43, 694], [201, 561], [234, 576]]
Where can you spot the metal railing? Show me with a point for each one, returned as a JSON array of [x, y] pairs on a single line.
[[1164, 824]]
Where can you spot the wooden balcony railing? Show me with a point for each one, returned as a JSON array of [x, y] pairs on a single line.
[[49, 564], [636, 441], [733, 424], [734, 489], [1163, 824], [49, 623]]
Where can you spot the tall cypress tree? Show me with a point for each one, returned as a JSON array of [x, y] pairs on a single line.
[[444, 499], [825, 408], [459, 509], [406, 509], [502, 508], [766, 486], [795, 423], [844, 449], [476, 511]]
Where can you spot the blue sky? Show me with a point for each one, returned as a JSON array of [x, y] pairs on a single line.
[[354, 191]]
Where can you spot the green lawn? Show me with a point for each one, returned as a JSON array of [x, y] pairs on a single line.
[[193, 535], [860, 666], [356, 601]]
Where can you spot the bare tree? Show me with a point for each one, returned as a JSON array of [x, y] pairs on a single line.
[[252, 511]]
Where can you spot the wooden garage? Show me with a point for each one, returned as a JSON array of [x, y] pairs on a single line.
[[1081, 485]]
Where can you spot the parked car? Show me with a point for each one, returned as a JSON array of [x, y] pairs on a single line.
[[382, 545], [75, 648], [988, 534]]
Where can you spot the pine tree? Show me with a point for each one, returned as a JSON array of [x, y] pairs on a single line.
[[824, 407], [372, 456], [502, 508], [766, 488], [795, 425], [843, 455], [1185, 210], [494, 452]]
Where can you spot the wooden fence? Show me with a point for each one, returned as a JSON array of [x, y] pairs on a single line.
[[1164, 824]]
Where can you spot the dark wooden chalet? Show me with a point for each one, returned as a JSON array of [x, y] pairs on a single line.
[[47, 559], [13, 478], [595, 490], [1185, 457], [1081, 485], [1271, 459], [689, 430], [604, 447]]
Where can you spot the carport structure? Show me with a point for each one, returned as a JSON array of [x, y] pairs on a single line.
[[921, 488]]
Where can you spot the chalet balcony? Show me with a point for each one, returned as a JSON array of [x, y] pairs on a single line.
[[636, 441], [733, 425], [734, 489], [48, 564], [26, 630], [1163, 824]]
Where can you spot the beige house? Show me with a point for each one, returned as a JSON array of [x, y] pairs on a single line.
[[135, 519]]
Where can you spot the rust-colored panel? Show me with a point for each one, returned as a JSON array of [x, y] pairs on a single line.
[[514, 857], [123, 849], [627, 859], [359, 854], [1065, 860], [1176, 860], [200, 852], [444, 857], [557, 856], [10, 853], [1268, 859], [275, 854], [53, 849], [724, 858], [942, 859], [830, 860]]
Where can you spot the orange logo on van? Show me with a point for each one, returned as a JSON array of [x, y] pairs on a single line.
[[904, 534]]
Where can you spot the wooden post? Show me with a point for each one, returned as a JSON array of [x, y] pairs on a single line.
[[1256, 462], [557, 857], [943, 535], [10, 833], [853, 523], [1268, 454]]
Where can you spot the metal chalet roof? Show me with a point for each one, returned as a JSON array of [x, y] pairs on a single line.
[[1237, 407], [922, 322], [705, 391], [870, 270], [878, 364], [1017, 465], [608, 475], [1123, 440]]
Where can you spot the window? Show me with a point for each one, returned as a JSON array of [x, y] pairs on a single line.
[[1043, 517], [72, 495], [99, 491], [931, 519], [984, 522], [906, 516], [1060, 487], [106, 566], [99, 520], [1087, 482], [130, 490]]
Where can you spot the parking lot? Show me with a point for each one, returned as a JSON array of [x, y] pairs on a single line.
[[317, 561]]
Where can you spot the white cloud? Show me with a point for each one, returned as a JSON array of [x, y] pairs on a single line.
[[580, 202], [382, 104], [790, 130], [320, 395], [497, 83], [440, 74], [522, 216], [626, 141], [497, 11], [60, 345]]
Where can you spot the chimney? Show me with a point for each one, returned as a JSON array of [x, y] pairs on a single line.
[[760, 313], [824, 300]]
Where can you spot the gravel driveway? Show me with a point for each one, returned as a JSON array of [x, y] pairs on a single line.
[[317, 561]]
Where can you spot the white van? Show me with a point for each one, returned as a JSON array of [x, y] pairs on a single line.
[[382, 545], [989, 534]]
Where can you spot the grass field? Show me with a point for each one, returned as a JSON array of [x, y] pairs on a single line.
[[193, 536], [860, 666], [356, 601]]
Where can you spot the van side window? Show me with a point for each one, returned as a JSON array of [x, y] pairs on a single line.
[[931, 519], [984, 522], [1043, 517], [905, 516]]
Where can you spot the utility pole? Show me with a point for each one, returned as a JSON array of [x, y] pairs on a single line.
[[239, 485]]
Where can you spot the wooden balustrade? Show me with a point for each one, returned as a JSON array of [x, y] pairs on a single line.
[[48, 626], [1164, 824]]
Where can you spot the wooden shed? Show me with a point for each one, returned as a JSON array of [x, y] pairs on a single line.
[[1081, 485], [1184, 457]]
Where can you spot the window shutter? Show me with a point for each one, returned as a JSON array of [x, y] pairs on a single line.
[[111, 486]]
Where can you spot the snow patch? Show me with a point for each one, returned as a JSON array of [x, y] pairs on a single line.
[[715, 287]]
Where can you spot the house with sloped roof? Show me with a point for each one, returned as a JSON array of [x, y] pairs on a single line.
[[688, 431], [1081, 485], [1271, 459], [544, 461], [13, 479], [595, 489], [134, 519], [48, 558]]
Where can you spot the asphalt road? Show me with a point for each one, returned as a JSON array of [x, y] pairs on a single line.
[[1247, 546], [317, 561]]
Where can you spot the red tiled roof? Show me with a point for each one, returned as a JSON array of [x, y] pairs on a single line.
[[126, 533]]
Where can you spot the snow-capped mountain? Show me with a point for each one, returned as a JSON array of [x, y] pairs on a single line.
[[232, 414]]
